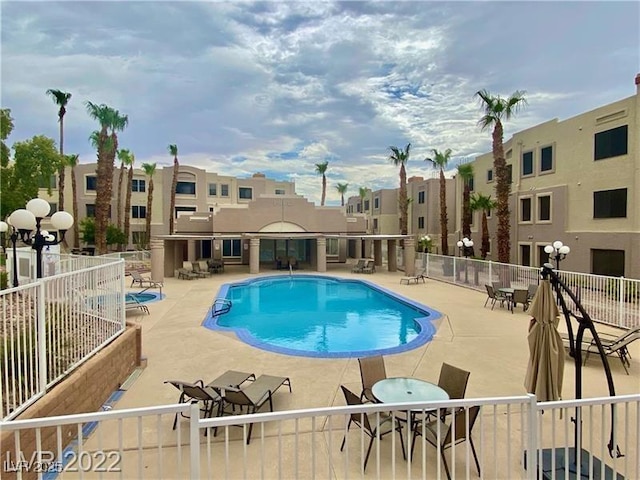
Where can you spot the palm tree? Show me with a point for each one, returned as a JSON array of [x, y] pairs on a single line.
[[123, 156], [400, 158], [486, 204], [149, 170], [465, 171], [495, 110], [106, 142], [342, 189], [362, 192], [61, 99], [72, 161], [440, 160], [173, 150], [321, 168], [129, 161]]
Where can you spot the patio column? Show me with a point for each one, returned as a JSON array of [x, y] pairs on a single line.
[[191, 251], [321, 246], [392, 259], [157, 259], [358, 250], [367, 249], [254, 255], [377, 253], [409, 257]]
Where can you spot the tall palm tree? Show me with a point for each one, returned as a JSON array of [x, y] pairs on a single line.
[[440, 161], [106, 142], [486, 204], [465, 171], [173, 150], [495, 110], [127, 204], [149, 170], [72, 161], [362, 192], [400, 158], [61, 99], [321, 168], [123, 156], [342, 189]]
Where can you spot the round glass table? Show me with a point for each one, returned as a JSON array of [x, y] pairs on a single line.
[[401, 389]]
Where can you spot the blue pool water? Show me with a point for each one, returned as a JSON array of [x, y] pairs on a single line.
[[309, 315], [145, 297]]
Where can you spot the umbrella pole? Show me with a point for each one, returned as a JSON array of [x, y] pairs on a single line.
[[584, 322]]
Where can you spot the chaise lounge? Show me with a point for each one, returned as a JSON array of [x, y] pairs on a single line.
[[414, 278], [144, 282]]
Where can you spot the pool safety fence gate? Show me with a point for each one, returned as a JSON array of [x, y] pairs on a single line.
[[610, 300], [510, 437], [51, 326]]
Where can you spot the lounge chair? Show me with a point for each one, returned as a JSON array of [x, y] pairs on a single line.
[[144, 282], [133, 303], [196, 268], [359, 266], [415, 278], [372, 370], [370, 267], [365, 421], [251, 398], [616, 346], [185, 274], [196, 392]]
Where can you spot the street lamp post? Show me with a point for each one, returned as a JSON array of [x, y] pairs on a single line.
[[28, 224], [557, 251], [4, 227], [465, 245]]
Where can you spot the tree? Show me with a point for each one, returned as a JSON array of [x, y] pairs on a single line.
[[495, 110], [61, 99], [149, 170], [440, 161], [321, 168], [106, 142], [72, 161], [124, 156], [486, 204], [6, 127], [342, 189], [400, 158], [173, 150], [127, 204], [362, 192], [465, 171], [114, 236]]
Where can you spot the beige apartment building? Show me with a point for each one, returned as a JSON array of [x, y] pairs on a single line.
[[577, 181]]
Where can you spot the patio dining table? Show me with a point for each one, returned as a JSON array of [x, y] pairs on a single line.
[[508, 293], [407, 389]]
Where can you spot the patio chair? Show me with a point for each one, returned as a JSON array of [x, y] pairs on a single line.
[[616, 346], [190, 392], [372, 370], [195, 267], [252, 397], [415, 278], [452, 380], [531, 291], [359, 266], [452, 434], [185, 274], [370, 267], [144, 282], [215, 266], [494, 296], [520, 296], [132, 303], [365, 421]]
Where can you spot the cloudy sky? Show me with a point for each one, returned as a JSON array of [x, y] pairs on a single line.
[[275, 87]]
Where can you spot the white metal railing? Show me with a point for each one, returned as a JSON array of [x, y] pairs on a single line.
[[49, 327], [610, 300], [141, 443]]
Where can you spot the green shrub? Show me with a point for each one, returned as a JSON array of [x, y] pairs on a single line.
[[4, 280]]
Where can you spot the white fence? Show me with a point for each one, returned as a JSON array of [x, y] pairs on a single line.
[[611, 300], [141, 443], [49, 327]]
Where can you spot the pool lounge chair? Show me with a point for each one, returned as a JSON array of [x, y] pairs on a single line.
[[199, 271], [134, 304], [370, 267], [144, 282], [415, 278], [613, 345], [185, 274], [359, 266]]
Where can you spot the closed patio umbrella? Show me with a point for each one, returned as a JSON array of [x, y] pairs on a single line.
[[546, 352]]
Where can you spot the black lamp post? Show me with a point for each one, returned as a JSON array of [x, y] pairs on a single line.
[[28, 223], [465, 245], [4, 227], [557, 251]]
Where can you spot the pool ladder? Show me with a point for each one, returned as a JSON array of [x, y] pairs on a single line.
[[220, 307]]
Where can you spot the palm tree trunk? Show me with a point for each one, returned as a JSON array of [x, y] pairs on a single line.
[[148, 219], [104, 188], [484, 249], [444, 240], [324, 190], [404, 206], [127, 204], [120, 179], [503, 188], [342, 199], [174, 184], [466, 216], [61, 170], [74, 192]]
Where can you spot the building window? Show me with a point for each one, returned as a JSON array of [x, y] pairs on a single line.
[[525, 255], [420, 222], [510, 173], [607, 262], [186, 188], [138, 185], [525, 209], [544, 208], [543, 257], [366, 205], [139, 238], [527, 164], [470, 184], [91, 210], [90, 183], [47, 182], [213, 189], [610, 203], [333, 247], [280, 191], [54, 209], [232, 247], [375, 224], [376, 202], [224, 190], [138, 211], [245, 193], [420, 197], [546, 159], [611, 143], [180, 210], [489, 176]]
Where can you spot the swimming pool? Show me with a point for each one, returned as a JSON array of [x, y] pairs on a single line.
[[319, 316], [145, 297]]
